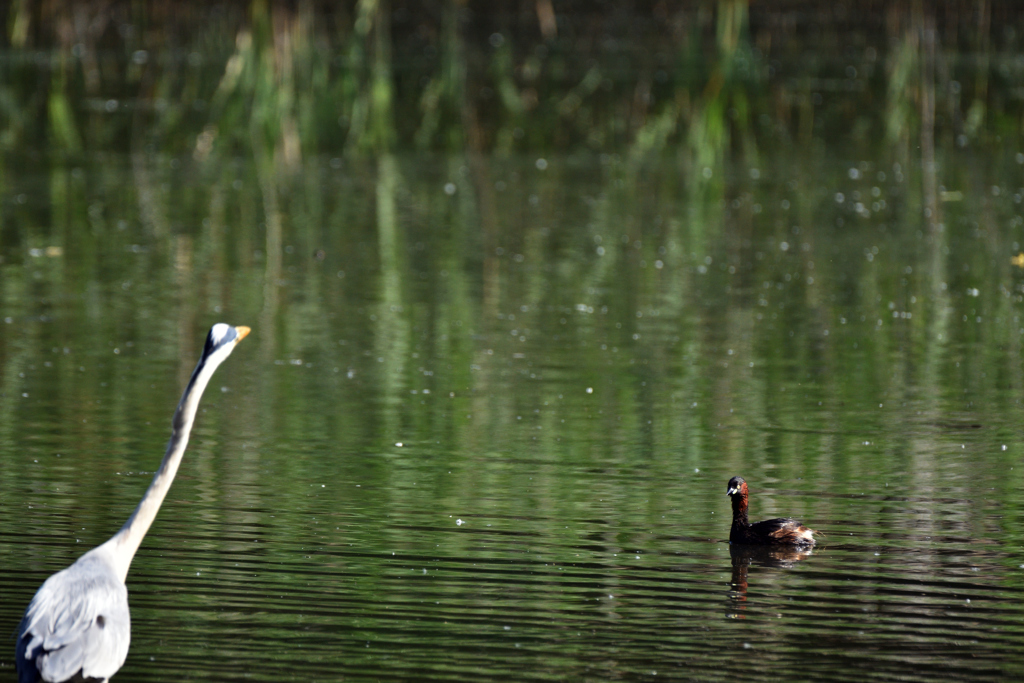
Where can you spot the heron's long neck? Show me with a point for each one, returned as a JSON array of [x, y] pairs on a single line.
[[126, 541]]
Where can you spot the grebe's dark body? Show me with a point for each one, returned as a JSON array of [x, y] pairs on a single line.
[[780, 531]]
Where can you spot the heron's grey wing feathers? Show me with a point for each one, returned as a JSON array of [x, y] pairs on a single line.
[[78, 621]]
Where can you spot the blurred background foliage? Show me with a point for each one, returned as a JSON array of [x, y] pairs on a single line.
[[697, 80], [743, 175], [475, 159]]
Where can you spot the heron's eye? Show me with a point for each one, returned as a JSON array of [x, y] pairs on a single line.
[[100, 621]]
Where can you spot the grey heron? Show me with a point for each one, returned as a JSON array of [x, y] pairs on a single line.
[[77, 625]]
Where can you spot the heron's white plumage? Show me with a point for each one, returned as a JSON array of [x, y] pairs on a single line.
[[219, 332]]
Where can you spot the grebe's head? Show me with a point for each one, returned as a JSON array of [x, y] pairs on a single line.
[[737, 485]]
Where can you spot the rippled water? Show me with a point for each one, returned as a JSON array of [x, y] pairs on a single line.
[[418, 562], [484, 422]]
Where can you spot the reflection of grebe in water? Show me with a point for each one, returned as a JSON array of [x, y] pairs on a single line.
[[783, 531], [781, 557], [779, 543]]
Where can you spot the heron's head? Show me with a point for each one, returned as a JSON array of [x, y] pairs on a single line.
[[221, 341], [737, 485]]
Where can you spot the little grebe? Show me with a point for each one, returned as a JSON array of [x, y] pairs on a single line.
[[781, 531]]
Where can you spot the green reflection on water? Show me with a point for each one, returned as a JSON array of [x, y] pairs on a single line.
[[584, 302]]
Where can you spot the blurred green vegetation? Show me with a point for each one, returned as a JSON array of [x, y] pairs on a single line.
[[193, 157], [308, 78]]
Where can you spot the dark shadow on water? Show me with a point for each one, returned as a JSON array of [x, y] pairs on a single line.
[[743, 557]]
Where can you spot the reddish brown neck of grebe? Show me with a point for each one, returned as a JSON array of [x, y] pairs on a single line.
[[738, 494]]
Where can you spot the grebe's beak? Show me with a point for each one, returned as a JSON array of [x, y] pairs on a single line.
[[731, 490]]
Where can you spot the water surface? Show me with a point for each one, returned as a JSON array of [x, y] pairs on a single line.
[[484, 422]]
